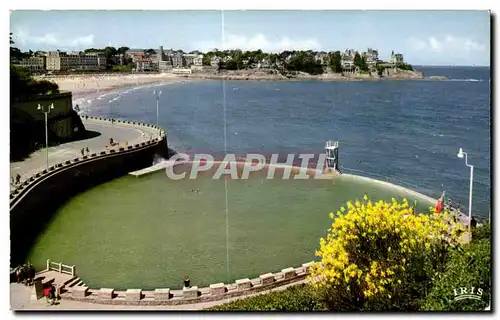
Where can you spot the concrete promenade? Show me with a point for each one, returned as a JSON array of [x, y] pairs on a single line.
[[20, 301], [99, 131]]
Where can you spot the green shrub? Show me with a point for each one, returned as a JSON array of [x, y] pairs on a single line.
[[377, 256], [482, 232], [296, 298], [405, 66], [469, 267], [121, 68]]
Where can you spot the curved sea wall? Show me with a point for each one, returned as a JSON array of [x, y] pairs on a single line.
[[216, 291], [34, 202], [165, 296], [394, 186]]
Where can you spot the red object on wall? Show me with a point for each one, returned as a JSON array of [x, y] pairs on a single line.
[[439, 206]]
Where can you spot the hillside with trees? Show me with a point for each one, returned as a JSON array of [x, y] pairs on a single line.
[[27, 134]]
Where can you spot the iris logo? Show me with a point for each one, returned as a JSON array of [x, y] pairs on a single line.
[[467, 293]]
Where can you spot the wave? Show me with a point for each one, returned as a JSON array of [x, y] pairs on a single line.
[[82, 102], [467, 80], [105, 95], [114, 99]]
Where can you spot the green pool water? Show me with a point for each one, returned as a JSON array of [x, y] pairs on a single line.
[[149, 232]]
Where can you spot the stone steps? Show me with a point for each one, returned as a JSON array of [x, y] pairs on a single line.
[[75, 282], [80, 283]]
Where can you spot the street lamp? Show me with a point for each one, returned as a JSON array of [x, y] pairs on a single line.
[[46, 110], [157, 104], [461, 155]]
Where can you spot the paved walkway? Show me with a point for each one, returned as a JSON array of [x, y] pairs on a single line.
[[67, 151], [20, 300]]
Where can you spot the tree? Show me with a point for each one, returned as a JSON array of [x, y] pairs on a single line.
[[404, 66], [305, 62], [335, 61], [207, 60], [360, 62], [23, 87], [109, 52], [15, 53], [93, 50], [149, 52], [123, 50], [381, 256]]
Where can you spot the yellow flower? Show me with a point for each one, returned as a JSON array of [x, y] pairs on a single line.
[[362, 225]]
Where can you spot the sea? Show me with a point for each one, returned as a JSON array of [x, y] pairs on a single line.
[[406, 132]]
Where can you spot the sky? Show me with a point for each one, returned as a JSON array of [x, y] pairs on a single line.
[[423, 37]]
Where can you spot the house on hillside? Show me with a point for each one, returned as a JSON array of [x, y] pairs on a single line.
[[371, 57], [321, 57], [177, 60], [214, 61], [396, 58]]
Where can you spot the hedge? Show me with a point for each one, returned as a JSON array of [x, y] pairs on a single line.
[[295, 298]]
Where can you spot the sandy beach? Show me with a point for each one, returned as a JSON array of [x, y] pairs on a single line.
[[81, 84]]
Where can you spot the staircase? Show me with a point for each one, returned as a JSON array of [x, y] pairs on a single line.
[[73, 283]]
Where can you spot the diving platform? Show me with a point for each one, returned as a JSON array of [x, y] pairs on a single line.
[[154, 168]]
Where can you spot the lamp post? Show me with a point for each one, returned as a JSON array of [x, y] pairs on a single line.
[[461, 155], [157, 104], [46, 110]]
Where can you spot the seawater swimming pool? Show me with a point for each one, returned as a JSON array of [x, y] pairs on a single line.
[[150, 232]]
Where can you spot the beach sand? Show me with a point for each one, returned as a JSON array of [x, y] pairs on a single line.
[[80, 84]]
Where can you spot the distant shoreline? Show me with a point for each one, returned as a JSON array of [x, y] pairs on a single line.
[[306, 77], [105, 82]]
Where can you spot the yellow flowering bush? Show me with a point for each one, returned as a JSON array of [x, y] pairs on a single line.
[[380, 256]]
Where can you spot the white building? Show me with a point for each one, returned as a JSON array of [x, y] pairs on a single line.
[[144, 64], [214, 61], [396, 58], [177, 60], [181, 71], [34, 64], [371, 57], [264, 64], [198, 60], [63, 61]]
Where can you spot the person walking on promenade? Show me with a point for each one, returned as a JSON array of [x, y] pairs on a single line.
[[18, 178], [83, 151], [187, 282], [49, 293], [87, 149]]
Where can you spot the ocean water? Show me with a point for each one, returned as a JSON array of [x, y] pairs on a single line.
[[405, 132]]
